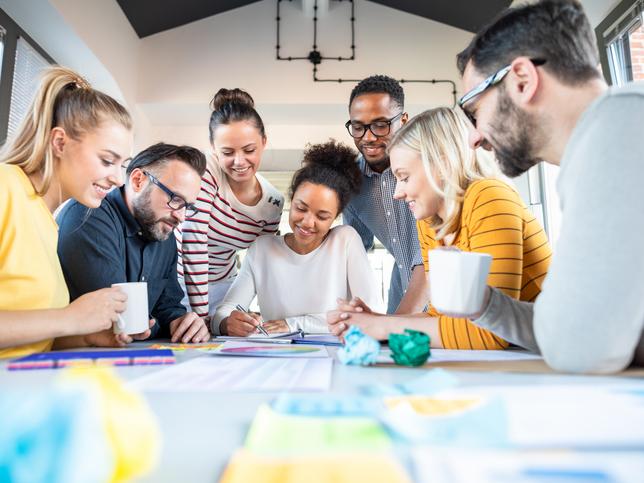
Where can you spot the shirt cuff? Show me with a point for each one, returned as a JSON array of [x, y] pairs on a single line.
[[488, 317]]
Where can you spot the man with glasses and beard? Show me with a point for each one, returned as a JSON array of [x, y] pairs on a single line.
[[534, 92], [129, 239], [376, 110]]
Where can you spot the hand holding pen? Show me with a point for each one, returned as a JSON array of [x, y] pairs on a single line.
[[259, 327]]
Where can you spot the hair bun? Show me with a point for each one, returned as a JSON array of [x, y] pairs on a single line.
[[234, 96], [337, 157], [332, 154]]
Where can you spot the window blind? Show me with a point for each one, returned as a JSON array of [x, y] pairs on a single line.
[[27, 68]]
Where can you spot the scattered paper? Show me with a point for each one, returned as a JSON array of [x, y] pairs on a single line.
[[433, 381], [568, 416], [254, 349], [226, 374], [208, 346], [246, 467], [455, 355], [326, 405], [466, 420], [514, 466], [275, 433]]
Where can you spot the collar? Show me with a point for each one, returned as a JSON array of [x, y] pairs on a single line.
[[116, 197], [366, 169]]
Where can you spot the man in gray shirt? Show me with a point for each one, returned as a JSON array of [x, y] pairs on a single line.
[[534, 92]]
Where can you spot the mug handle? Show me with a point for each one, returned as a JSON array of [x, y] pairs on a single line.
[[120, 323]]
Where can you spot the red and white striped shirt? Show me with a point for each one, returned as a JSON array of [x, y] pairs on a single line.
[[208, 242]]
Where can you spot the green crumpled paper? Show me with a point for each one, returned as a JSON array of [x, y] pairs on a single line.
[[410, 348]]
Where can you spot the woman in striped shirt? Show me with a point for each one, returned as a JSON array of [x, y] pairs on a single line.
[[460, 199], [236, 204]]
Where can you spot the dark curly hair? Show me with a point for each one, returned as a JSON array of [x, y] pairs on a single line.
[[333, 165], [379, 84]]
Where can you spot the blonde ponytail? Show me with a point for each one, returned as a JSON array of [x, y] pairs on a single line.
[[63, 99]]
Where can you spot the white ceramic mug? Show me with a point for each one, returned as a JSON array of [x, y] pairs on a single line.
[[457, 280], [135, 319]]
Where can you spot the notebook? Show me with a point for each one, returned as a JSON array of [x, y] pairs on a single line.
[[278, 337], [122, 357]]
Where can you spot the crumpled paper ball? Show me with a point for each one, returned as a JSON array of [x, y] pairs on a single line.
[[86, 426], [409, 349], [359, 349]]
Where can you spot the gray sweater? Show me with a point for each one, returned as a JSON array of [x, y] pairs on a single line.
[[589, 316]]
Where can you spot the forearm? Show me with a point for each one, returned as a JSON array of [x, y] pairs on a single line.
[[416, 296], [510, 319], [396, 324], [69, 342], [29, 326]]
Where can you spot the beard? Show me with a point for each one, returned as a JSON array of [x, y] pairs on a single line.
[[150, 224], [377, 165], [515, 141]]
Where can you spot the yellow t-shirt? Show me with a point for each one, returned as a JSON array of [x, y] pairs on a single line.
[[30, 273], [494, 220]]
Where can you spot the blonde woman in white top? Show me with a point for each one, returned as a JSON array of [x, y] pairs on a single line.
[[298, 277]]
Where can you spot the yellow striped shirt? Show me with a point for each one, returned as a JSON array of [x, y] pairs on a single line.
[[494, 220]]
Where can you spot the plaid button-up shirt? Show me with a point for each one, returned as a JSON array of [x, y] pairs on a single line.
[[374, 213]]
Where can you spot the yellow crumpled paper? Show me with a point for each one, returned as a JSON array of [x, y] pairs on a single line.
[[131, 430]]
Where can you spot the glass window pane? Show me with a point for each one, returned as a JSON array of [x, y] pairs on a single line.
[[636, 43], [2, 34], [28, 65]]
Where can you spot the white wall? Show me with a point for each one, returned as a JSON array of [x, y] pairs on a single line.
[[182, 68], [168, 79]]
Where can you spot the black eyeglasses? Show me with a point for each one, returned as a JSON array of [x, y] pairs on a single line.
[[491, 81], [379, 129], [176, 202]]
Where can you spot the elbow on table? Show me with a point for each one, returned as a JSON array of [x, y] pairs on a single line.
[[576, 359]]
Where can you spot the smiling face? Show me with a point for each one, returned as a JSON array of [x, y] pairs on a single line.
[[238, 148], [88, 167], [368, 108], [412, 185], [149, 203], [313, 209], [501, 126]]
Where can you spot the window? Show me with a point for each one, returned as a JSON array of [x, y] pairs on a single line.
[[28, 65], [21, 60], [2, 34], [620, 38]]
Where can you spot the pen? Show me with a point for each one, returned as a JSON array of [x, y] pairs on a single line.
[[259, 327]]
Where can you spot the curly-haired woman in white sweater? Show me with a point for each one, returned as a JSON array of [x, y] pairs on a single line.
[[298, 277]]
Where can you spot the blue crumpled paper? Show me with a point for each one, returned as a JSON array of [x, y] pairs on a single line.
[[359, 349], [328, 405], [52, 434]]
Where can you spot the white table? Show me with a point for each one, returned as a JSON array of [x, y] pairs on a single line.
[[202, 430]]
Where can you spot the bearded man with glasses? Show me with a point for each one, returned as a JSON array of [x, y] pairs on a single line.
[[534, 92], [129, 238], [376, 111]]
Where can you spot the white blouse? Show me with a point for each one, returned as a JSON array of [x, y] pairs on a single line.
[[302, 288]]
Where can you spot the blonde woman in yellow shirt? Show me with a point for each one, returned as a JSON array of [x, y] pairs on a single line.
[[71, 144], [460, 199]]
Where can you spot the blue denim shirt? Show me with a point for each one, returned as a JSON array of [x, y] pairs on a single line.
[[102, 246], [374, 212]]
